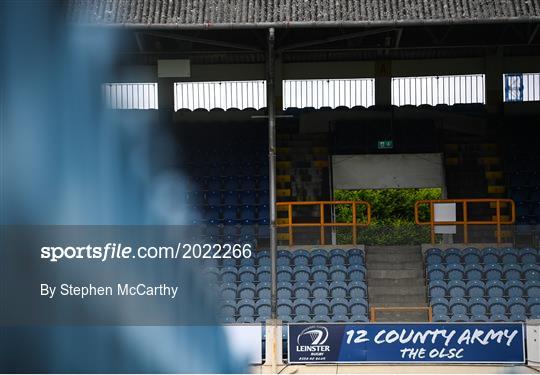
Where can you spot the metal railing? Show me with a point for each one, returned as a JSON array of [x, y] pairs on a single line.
[[331, 93], [219, 94], [465, 221], [373, 311], [433, 90], [130, 95], [322, 224]]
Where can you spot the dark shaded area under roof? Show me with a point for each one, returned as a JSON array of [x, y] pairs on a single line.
[[185, 14]]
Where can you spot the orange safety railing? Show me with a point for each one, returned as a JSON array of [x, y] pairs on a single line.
[[407, 308], [322, 223], [465, 222]]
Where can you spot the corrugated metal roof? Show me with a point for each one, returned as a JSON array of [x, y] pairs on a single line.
[[297, 13]]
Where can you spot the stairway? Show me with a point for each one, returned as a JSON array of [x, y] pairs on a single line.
[[396, 279], [302, 175]]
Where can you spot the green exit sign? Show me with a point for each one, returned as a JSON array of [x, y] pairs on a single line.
[[385, 144]]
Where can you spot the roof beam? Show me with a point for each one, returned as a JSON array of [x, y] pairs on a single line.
[[336, 38], [194, 39]]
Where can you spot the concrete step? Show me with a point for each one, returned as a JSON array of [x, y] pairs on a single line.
[[394, 266], [411, 249], [394, 274], [402, 316], [375, 291], [397, 298], [394, 257], [398, 304], [420, 282]]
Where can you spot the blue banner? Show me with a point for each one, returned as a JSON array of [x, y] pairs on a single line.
[[407, 343]]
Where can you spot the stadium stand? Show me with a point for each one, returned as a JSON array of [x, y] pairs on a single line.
[[313, 286], [493, 284]]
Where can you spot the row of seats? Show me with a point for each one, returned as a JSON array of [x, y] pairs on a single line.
[[288, 290], [287, 309], [219, 182], [494, 271], [233, 233], [297, 274], [481, 309], [489, 255], [227, 198], [477, 288], [232, 215], [300, 319]]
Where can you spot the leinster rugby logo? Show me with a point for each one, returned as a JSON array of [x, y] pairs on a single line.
[[312, 339]]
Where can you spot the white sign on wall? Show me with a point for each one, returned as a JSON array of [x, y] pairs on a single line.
[[444, 212]]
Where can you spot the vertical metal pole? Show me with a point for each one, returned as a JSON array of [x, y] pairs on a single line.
[[270, 103]]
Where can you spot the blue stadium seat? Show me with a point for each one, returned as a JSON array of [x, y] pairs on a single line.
[[300, 258], [247, 290], [358, 306], [248, 183], [248, 215], [263, 274], [534, 307], [301, 290], [474, 272], [213, 215], [492, 271], [339, 318], [246, 307], [213, 198], [247, 198], [455, 271], [517, 306], [228, 262], [490, 255], [355, 256], [228, 274], [212, 274], [338, 257], [512, 271], [230, 183], [284, 258], [531, 271], [436, 272], [245, 319], [528, 256], [433, 256], [470, 255], [263, 257], [479, 318], [230, 215], [532, 288], [437, 288], [452, 256], [321, 319], [441, 318], [338, 289], [227, 308], [214, 184], [459, 318], [302, 306], [440, 306], [339, 306], [476, 288], [284, 307], [228, 291], [230, 198], [457, 288], [247, 234], [301, 274], [228, 319], [319, 257], [338, 273], [517, 318], [497, 306], [319, 273], [495, 288], [359, 318], [356, 272], [508, 256], [284, 273], [247, 274], [514, 288], [478, 306], [264, 290], [302, 319], [320, 306], [319, 289], [458, 305], [357, 289], [263, 231], [498, 318], [284, 290]]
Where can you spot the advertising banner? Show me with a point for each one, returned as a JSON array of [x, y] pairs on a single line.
[[407, 343]]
